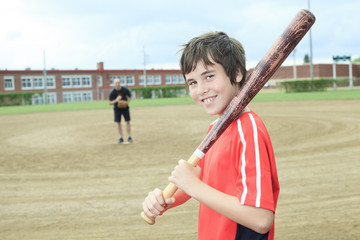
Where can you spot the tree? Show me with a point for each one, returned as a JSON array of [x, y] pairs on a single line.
[[306, 59], [356, 60]]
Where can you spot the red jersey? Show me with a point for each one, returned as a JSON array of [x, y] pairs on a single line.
[[241, 163]]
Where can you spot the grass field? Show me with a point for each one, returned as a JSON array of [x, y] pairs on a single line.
[[263, 96]]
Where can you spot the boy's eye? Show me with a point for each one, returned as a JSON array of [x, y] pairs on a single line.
[[192, 83], [209, 76]]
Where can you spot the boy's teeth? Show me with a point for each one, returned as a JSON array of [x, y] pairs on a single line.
[[208, 100]]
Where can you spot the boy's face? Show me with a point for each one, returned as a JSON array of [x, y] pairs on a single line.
[[211, 88]]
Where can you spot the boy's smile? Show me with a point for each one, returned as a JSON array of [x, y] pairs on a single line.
[[211, 88], [208, 100]]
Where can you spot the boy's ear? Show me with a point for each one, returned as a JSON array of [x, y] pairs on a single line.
[[239, 76]]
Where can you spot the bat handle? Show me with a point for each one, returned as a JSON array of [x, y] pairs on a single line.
[[167, 193], [150, 221], [171, 188]]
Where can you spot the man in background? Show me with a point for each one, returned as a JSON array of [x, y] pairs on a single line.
[[120, 97]]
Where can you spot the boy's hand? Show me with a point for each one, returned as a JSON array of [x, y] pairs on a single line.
[[185, 176], [155, 204]]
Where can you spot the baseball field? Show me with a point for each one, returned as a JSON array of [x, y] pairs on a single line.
[[63, 175]]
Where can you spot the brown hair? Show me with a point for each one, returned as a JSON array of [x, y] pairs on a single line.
[[216, 46]]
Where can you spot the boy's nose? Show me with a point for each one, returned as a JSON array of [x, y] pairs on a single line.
[[202, 88]]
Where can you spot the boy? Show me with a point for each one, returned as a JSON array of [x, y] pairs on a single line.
[[236, 181], [116, 94]]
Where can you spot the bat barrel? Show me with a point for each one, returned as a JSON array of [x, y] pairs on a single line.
[[280, 50]]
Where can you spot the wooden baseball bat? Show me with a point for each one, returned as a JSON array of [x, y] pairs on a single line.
[[263, 71]]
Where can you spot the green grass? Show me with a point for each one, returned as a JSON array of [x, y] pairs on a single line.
[[91, 105], [262, 96], [330, 94]]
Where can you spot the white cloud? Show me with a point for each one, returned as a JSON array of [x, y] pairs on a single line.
[[80, 33]]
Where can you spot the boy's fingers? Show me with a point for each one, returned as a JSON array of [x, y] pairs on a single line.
[[159, 196], [170, 201], [154, 205], [147, 211], [153, 212], [181, 161]]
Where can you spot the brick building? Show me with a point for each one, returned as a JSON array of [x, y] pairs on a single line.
[[88, 85], [286, 73], [82, 85]]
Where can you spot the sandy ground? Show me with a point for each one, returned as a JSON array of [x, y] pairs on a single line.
[[63, 176]]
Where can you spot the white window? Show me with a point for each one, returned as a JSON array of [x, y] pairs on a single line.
[[130, 81], [150, 80], [112, 78], [26, 83], [38, 82], [141, 80], [86, 81], [50, 82], [37, 99], [157, 79], [79, 96], [168, 79], [66, 83], [87, 96], [51, 98], [122, 80], [40, 99], [67, 97], [76, 82], [175, 79], [9, 83], [99, 81]]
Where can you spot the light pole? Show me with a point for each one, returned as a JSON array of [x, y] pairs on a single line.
[[294, 67], [311, 56], [144, 67], [45, 82]]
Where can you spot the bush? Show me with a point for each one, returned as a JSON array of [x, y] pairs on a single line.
[[318, 85], [160, 92], [16, 98]]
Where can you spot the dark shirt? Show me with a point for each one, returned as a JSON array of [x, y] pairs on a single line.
[[123, 92]]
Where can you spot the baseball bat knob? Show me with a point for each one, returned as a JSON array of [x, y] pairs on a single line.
[[147, 219]]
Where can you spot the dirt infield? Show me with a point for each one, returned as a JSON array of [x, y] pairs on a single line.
[[63, 176]]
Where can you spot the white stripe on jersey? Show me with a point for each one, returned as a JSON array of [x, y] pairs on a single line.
[[257, 156], [257, 161], [243, 173]]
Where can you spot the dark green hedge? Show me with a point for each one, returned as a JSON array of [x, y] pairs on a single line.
[[318, 85], [160, 91], [344, 82], [17, 98]]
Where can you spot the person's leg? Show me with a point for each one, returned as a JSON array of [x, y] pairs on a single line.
[[128, 126], [120, 129], [128, 129], [117, 120]]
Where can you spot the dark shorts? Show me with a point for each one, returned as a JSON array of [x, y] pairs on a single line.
[[246, 233], [125, 112]]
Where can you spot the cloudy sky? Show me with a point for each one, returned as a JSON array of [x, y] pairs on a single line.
[[78, 33]]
